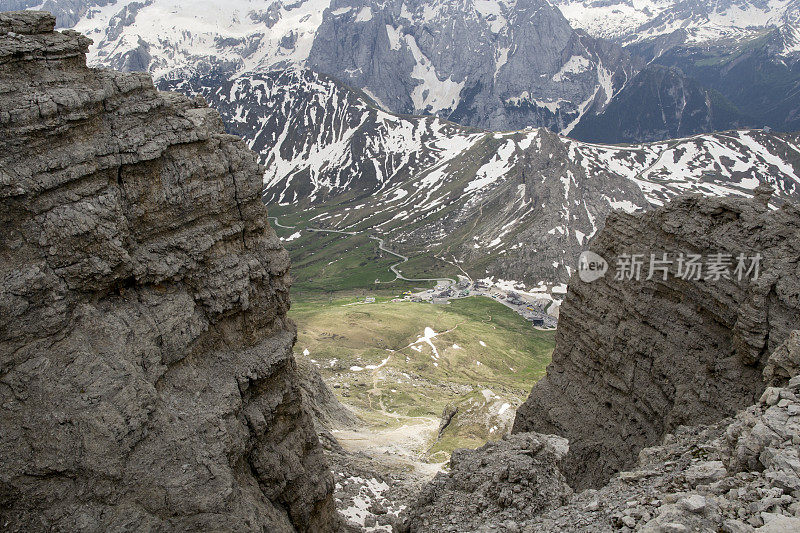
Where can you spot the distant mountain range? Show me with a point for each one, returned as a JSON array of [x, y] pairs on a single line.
[[600, 70], [436, 123], [518, 206], [696, 22]]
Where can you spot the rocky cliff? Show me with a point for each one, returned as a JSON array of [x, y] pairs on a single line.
[[683, 108], [494, 65], [146, 375], [636, 359], [643, 380]]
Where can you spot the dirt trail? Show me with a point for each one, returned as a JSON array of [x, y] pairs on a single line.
[[405, 444], [402, 445]]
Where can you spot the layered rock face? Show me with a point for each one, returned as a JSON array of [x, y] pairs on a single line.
[[636, 359], [146, 375], [644, 378]]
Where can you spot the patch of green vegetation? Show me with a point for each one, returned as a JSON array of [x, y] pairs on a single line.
[[312, 253], [440, 451], [396, 361], [324, 263], [378, 358]]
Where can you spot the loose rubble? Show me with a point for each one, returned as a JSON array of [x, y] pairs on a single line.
[[739, 475], [502, 482]]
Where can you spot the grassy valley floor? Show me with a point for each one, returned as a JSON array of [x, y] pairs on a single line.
[[404, 363], [425, 378]]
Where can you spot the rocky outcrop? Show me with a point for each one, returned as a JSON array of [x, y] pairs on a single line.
[[636, 359], [146, 372], [784, 362], [737, 476], [505, 481], [741, 475], [477, 417], [319, 401]]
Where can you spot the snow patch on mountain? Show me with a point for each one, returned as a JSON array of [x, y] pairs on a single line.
[[431, 94], [575, 65], [180, 38], [517, 201], [702, 20]]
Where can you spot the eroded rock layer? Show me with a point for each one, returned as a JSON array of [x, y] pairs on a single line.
[[146, 374], [636, 359]]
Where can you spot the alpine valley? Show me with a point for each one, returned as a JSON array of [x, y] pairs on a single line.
[[439, 126], [177, 357]]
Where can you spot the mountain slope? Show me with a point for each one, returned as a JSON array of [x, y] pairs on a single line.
[[697, 21], [497, 65], [752, 76], [747, 51], [500, 65], [517, 205], [173, 39], [661, 103]]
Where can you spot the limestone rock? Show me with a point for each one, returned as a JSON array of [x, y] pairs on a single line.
[[781, 524], [706, 472], [766, 438], [146, 373], [508, 480], [784, 362], [319, 401], [662, 494], [636, 359]]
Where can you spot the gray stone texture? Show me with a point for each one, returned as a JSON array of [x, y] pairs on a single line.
[[146, 374], [635, 360], [509, 62], [509, 480]]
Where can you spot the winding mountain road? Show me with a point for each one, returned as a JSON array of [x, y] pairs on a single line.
[[382, 246], [404, 259], [278, 224]]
